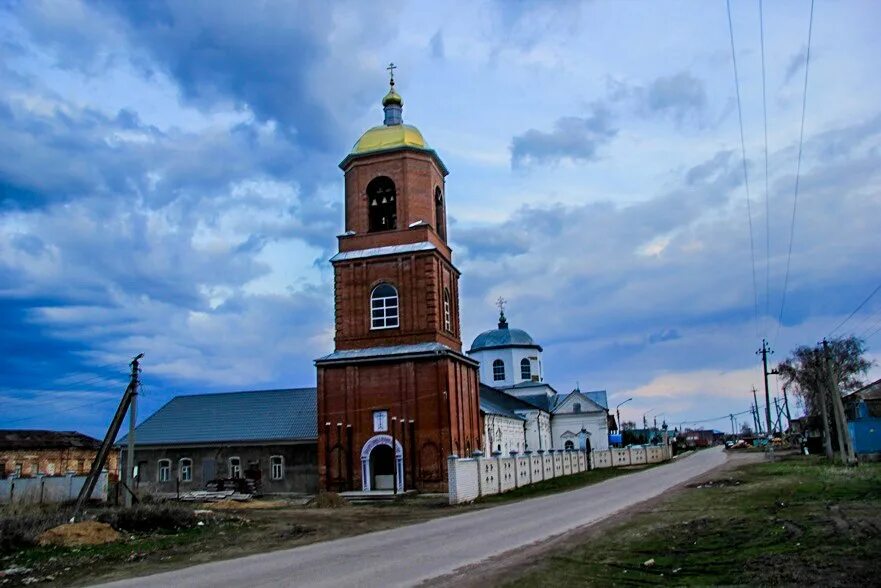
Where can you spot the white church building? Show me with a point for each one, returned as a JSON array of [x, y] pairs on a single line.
[[520, 410]]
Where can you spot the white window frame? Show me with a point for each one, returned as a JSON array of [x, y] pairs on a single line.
[[272, 467], [185, 472], [498, 370], [235, 471], [448, 315], [384, 310], [163, 470], [528, 369]]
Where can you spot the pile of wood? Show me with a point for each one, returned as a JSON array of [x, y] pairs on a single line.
[[214, 496]]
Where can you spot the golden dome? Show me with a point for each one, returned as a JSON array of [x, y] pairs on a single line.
[[389, 137], [392, 98]]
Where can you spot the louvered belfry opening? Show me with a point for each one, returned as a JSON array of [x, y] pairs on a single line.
[[381, 205]]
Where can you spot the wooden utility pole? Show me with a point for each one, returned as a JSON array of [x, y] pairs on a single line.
[[756, 407], [130, 450], [824, 414], [101, 458], [845, 447]]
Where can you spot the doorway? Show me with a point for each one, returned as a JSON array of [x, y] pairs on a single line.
[[382, 467]]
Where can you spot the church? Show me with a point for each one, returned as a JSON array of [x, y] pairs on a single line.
[[397, 395]]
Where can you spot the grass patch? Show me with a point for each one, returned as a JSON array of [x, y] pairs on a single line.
[[793, 521], [561, 484]]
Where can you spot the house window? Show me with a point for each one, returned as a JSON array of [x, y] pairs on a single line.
[[235, 467], [448, 317], [525, 369], [576, 407], [186, 470], [384, 307], [381, 205], [276, 467], [569, 444], [164, 470], [50, 469], [498, 370], [17, 470]]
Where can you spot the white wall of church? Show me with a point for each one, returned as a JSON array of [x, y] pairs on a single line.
[[566, 426], [538, 429], [503, 434], [511, 356]]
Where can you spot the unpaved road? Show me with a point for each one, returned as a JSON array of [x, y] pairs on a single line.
[[409, 555]]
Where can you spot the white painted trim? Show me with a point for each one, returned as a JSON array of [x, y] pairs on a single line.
[[369, 446]]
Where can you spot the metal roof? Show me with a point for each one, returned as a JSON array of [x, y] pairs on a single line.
[[387, 250], [391, 351], [495, 401], [259, 415], [504, 337]]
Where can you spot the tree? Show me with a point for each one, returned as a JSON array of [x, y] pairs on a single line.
[[806, 373], [746, 430]]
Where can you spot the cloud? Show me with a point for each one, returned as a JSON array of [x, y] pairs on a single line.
[[573, 138], [681, 97], [436, 44]]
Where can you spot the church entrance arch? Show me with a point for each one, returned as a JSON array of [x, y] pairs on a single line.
[[379, 464]]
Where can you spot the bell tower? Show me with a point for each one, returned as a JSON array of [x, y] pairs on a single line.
[[397, 396]]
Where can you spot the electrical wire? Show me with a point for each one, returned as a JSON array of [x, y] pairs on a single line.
[[61, 410], [767, 192], [752, 247], [801, 140], [856, 310]]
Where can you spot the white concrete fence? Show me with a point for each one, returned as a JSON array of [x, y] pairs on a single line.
[[470, 478], [44, 489]]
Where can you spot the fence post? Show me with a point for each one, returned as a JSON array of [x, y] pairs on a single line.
[[42, 486]]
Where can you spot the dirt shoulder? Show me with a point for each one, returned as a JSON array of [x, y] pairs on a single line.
[[501, 568], [792, 521]]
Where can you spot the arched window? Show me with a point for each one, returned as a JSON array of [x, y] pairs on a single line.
[[384, 307], [440, 224], [525, 369], [569, 444], [185, 469], [498, 370], [164, 470], [381, 205], [448, 315]]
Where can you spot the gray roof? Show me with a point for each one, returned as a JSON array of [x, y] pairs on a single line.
[[495, 401], [387, 250], [390, 351], [504, 336], [259, 415], [552, 403]]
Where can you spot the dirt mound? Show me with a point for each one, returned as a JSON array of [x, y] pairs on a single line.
[[329, 500], [245, 504], [75, 534]]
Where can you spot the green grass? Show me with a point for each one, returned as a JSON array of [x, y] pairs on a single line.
[[561, 484], [795, 521]]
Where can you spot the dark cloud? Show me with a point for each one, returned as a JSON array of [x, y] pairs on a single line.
[[795, 65], [573, 138], [679, 96]]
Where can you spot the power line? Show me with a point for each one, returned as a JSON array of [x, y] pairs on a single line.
[[856, 310], [752, 247], [65, 386], [801, 139], [767, 192], [62, 410]]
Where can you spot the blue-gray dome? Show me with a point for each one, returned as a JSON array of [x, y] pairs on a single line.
[[503, 337]]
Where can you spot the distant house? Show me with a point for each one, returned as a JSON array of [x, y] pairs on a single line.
[[269, 436], [863, 410], [28, 453]]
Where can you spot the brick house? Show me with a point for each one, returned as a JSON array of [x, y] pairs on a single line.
[[265, 435], [28, 453]]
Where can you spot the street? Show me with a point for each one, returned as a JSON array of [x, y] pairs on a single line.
[[409, 555]]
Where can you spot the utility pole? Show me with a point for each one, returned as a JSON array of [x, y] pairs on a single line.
[[731, 416], [845, 447], [786, 406], [101, 458], [824, 414], [130, 450], [756, 407], [764, 351]]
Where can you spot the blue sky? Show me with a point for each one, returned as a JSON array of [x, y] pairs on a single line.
[[169, 185]]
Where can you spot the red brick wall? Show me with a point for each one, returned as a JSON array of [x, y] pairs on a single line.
[[439, 394], [416, 175]]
